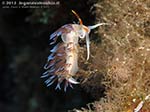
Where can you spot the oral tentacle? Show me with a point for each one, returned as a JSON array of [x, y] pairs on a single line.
[[97, 25], [88, 46]]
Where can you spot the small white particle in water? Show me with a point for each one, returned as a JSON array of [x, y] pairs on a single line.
[[136, 13], [148, 49], [117, 59], [124, 62], [134, 100], [141, 48], [147, 97]]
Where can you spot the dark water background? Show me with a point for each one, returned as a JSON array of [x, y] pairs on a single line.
[[23, 53]]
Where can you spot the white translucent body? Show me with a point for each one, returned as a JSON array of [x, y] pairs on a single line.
[[71, 41]]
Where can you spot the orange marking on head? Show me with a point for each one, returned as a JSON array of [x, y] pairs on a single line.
[[80, 21]]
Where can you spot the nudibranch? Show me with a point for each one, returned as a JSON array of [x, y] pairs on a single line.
[[62, 63]]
